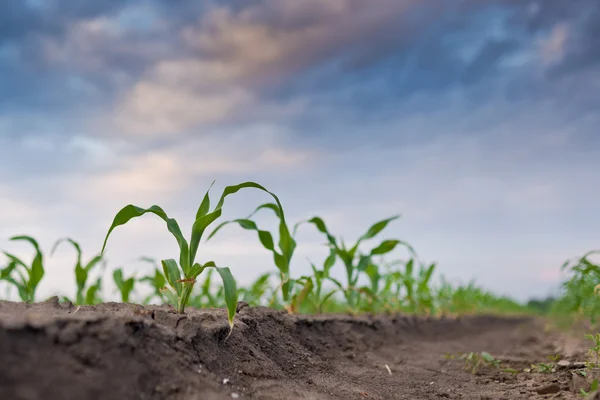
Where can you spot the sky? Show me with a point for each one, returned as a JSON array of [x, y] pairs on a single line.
[[476, 121]]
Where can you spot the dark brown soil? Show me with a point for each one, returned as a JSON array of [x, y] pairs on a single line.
[[121, 351]]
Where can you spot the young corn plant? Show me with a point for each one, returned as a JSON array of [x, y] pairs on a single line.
[[181, 275], [594, 351], [354, 262], [416, 287], [84, 294], [320, 277], [25, 278], [125, 286], [282, 254]]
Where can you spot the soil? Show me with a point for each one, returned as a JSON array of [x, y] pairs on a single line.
[[55, 350]]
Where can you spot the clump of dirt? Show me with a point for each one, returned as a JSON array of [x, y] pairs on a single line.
[[55, 350]]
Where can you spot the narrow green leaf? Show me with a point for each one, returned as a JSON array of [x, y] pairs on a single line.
[[270, 206], [118, 278], [92, 263], [487, 356], [321, 227], [204, 221], [363, 263], [378, 227], [385, 247], [231, 295], [299, 298], [172, 274], [130, 212], [329, 261], [205, 205], [73, 243], [171, 296], [195, 271]]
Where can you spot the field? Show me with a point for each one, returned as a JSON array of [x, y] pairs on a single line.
[[388, 330]]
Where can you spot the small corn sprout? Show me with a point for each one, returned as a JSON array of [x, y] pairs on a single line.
[[84, 295], [27, 277], [125, 286]]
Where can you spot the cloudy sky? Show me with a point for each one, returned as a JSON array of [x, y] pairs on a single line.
[[475, 120]]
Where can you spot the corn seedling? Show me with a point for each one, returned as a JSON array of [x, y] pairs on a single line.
[[415, 288], [594, 351], [545, 368], [25, 278], [82, 273], [320, 276], [282, 255], [124, 285], [580, 293], [354, 262], [474, 361], [181, 276]]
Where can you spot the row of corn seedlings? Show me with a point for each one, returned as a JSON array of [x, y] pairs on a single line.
[[371, 284]]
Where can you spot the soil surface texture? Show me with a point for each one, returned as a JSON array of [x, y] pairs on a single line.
[[55, 350]]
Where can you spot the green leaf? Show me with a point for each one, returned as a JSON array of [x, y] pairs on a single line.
[[271, 206], [377, 227], [231, 295], [205, 205], [299, 298], [172, 274], [92, 293], [130, 212], [118, 278], [264, 236], [93, 262], [204, 221], [171, 296], [36, 272], [487, 356], [16, 260], [329, 261], [385, 247], [73, 243], [321, 227], [195, 271], [363, 262]]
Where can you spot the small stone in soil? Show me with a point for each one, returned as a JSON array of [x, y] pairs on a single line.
[[548, 389]]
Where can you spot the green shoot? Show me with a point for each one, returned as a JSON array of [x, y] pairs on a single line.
[[125, 286], [27, 277], [594, 351], [546, 368], [82, 273]]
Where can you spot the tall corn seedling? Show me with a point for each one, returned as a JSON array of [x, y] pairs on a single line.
[[181, 275]]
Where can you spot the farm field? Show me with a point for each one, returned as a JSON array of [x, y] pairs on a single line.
[[386, 331]]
